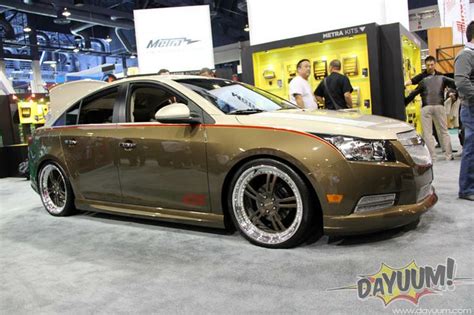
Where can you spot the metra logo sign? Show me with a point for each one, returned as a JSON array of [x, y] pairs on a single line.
[[170, 42], [345, 32]]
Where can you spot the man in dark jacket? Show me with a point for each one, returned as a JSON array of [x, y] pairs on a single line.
[[430, 64], [464, 77], [335, 90], [431, 89]]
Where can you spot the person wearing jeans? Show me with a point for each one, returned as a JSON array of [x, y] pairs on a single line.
[[464, 77]]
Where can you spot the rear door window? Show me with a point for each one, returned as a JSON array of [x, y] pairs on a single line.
[[99, 108], [69, 118]]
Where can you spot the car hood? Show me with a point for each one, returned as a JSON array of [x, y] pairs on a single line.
[[347, 123]]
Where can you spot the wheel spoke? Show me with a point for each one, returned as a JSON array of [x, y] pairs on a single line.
[[255, 217], [290, 205], [54, 198], [288, 199], [275, 224], [52, 178], [271, 187], [250, 192], [62, 195], [277, 218]]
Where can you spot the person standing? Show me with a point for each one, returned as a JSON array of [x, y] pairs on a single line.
[[335, 90], [430, 69], [430, 64], [464, 77], [300, 90], [432, 102]]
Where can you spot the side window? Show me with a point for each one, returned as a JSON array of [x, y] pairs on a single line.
[[98, 109], [69, 118], [145, 101]]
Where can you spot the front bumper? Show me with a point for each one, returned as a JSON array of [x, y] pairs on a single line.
[[368, 222]]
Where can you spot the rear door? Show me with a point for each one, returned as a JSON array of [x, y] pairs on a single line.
[[90, 147], [161, 165]]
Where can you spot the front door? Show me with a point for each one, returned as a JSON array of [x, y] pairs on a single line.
[[161, 165], [90, 148]]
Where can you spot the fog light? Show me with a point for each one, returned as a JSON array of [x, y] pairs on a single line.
[[375, 202]]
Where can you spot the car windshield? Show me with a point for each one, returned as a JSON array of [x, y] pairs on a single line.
[[236, 98]]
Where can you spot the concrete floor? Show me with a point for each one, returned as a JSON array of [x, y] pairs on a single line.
[[94, 263]]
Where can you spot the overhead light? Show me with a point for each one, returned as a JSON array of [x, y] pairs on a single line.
[[108, 39], [133, 56], [246, 28], [27, 29], [66, 13]]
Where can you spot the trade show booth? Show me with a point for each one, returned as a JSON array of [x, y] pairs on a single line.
[[20, 115], [375, 58]]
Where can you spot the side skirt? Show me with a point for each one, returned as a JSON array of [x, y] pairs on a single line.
[[169, 215]]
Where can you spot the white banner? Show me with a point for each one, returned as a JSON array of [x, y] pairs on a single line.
[[280, 19], [457, 15], [177, 39]]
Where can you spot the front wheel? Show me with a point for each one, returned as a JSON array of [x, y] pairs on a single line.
[[270, 204], [55, 191]]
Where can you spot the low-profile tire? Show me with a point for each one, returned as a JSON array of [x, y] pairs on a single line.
[[270, 204], [55, 191]]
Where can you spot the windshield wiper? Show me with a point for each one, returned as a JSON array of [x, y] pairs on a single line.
[[245, 111]]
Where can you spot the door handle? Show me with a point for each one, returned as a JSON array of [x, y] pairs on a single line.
[[128, 145], [70, 141]]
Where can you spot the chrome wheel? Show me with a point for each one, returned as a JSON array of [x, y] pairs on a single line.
[[267, 204], [53, 189]]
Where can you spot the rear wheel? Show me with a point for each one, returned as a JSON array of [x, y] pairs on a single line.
[[55, 191], [270, 204]]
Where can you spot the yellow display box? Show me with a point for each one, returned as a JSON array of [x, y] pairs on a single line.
[[274, 69], [411, 55], [33, 111]]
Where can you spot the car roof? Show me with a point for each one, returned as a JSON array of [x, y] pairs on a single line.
[[161, 77]]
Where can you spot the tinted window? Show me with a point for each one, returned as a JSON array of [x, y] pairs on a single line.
[[231, 97], [69, 117], [145, 101], [99, 109]]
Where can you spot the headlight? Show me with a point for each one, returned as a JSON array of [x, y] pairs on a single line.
[[416, 147], [356, 149]]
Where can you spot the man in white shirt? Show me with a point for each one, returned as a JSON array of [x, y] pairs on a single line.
[[300, 90]]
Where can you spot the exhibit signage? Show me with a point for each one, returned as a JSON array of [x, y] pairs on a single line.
[[177, 39], [344, 32], [457, 15]]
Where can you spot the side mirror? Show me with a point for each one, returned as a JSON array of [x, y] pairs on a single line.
[[176, 113]]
